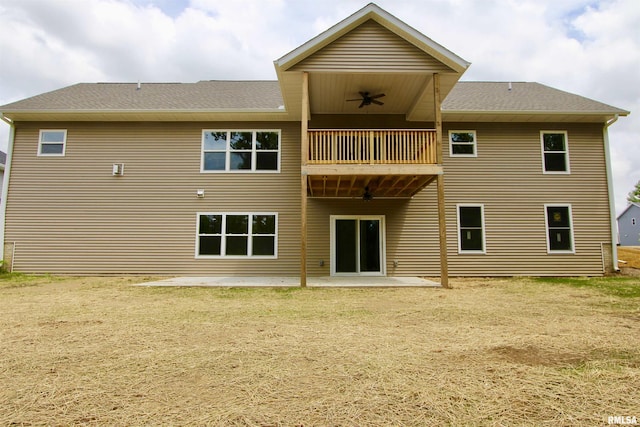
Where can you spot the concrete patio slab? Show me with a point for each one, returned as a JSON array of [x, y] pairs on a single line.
[[312, 282]]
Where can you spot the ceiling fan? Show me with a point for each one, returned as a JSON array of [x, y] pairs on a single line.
[[368, 99]]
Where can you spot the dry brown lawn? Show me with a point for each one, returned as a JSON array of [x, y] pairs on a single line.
[[630, 255], [99, 351]]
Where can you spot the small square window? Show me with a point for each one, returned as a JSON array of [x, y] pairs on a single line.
[[555, 152], [462, 143], [52, 142]]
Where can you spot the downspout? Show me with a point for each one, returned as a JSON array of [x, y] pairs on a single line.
[[612, 205], [5, 183]]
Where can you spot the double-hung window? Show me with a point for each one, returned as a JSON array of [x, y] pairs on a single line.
[[559, 228], [555, 152], [240, 151], [471, 235], [462, 143], [52, 142], [237, 235]]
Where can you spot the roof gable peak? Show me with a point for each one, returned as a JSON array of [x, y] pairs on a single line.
[[385, 19], [629, 206]]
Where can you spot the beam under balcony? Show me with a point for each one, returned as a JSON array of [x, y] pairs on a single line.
[[388, 163]]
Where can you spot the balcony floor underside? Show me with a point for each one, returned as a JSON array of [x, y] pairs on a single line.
[[355, 186], [381, 180]]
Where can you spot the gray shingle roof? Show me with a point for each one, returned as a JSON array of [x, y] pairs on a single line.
[[204, 95], [265, 95], [523, 97]]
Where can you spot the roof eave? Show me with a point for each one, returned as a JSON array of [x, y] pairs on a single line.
[[137, 115], [596, 116]]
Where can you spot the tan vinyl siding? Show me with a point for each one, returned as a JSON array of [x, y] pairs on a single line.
[[371, 47], [70, 214], [411, 232], [507, 178]]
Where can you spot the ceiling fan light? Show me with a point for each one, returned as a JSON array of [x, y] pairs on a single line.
[[367, 196], [367, 99]]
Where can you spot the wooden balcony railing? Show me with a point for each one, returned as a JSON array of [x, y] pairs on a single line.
[[372, 146]]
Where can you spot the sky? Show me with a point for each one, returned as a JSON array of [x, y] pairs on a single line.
[[587, 47]]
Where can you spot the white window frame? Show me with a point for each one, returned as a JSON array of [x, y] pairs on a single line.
[[42, 143], [474, 144], [249, 235], [567, 162], [253, 151], [571, 227], [484, 229]]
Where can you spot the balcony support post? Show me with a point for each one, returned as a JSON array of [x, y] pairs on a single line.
[[304, 141], [442, 223]]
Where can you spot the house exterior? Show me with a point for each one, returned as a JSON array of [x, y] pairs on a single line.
[[367, 156], [3, 160], [629, 226]]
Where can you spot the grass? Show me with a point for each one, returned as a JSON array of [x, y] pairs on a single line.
[[17, 280], [99, 351], [622, 287], [631, 256]]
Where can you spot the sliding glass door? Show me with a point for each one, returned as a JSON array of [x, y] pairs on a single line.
[[357, 245]]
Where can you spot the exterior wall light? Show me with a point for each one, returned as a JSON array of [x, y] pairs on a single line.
[[118, 169]]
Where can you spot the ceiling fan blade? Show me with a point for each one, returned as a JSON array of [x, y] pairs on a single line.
[[367, 99]]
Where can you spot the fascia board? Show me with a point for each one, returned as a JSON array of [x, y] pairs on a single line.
[[280, 77], [106, 115], [537, 113]]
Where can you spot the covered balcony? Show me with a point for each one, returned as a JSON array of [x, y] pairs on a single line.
[[401, 77], [377, 162]]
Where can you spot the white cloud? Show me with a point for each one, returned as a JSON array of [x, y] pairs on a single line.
[[583, 46]]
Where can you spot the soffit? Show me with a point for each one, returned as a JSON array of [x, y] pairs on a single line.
[[329, 93], [374, 52]]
